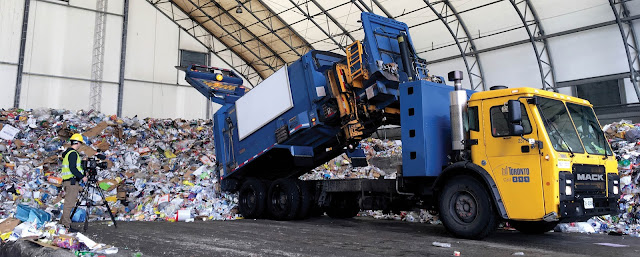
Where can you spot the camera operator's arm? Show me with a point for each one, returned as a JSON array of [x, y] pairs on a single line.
[[73, 158]]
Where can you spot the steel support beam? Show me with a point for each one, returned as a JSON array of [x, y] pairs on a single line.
[[289, 25], [232, 36], [325, 12], [123, 56], [247, 73], [274, 14], [286, 24], [66, 4], [365, 6], [471, 62], [383, 9], [97, 66], [527, 41], [629, 39], [23, 42], [318, 26], [543, 55], [249, 9], [237, 22]]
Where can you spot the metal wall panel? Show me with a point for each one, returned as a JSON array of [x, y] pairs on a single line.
[[10, 25], [588, 54], [515, 66], [7, 84], [58, 42], [48, 92]]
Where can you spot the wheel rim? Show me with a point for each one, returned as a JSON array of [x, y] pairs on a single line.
[[464, 207], [279, 199], [249, 199]]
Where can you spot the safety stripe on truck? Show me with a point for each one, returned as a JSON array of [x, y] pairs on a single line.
[[252, 158], [298, 127]]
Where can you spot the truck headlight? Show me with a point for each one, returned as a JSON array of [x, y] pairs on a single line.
[[613, 183], [566, 184]]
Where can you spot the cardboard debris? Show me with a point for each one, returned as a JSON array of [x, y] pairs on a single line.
[[97, 130], [8, 225]]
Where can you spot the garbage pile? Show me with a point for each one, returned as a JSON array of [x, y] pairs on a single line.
[[624, 137], [341, 168], [419, 216], [157, 169]]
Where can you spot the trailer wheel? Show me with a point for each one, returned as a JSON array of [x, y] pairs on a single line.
[[466, 210], [306, 200], [343, 206], [252, 198], [284, 199], [533, 227]]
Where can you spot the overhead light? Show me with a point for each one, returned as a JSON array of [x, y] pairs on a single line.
[[239, 10]]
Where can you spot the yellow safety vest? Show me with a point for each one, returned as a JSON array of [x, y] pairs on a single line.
[[66, 171]]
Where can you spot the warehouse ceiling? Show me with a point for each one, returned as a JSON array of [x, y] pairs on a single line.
[[257, 37]]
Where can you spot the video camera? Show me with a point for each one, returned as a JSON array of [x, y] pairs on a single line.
[[92, 164]]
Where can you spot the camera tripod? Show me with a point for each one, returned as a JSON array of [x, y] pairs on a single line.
[[91, 186]]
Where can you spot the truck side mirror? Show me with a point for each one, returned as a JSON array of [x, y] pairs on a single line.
[[515, 113], [514, 117], [516, 129]]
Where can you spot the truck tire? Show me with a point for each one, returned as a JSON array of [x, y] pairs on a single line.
[[252, 198], [284, 199], [343, 206], [306, 200], [533, 227], [466, 208]]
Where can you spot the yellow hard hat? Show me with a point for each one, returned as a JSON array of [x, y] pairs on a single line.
[[77, 137]]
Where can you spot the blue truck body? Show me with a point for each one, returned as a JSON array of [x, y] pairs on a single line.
[[312, 134]]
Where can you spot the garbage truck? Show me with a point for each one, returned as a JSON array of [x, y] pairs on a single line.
[[524, 155]]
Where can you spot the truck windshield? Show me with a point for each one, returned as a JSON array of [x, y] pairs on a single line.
[[559, 127], [589, 130]]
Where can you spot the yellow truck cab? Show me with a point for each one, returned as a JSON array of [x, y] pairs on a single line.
[[546, 153]]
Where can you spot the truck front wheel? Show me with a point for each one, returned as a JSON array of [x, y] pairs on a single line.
[[252, 198], [465, 208]]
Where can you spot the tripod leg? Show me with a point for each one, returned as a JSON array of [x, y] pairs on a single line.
[[106, 204], [89, 202]]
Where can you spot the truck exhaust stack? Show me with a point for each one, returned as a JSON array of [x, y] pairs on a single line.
[[458, 107]]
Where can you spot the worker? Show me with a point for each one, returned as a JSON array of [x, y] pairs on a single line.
[[72, 174]]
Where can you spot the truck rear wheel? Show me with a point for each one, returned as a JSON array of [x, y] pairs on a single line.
[[533, 227], [465, 208], [306, 199], [252, 198], [284, 199]]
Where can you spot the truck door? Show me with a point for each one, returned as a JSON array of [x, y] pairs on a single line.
[[514, 164]]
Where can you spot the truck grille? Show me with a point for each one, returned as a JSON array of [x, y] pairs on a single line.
[[589, 179]]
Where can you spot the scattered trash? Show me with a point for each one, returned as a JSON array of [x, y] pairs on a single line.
[[155, 168], [341, 168], [456, 253], [518, 253], [444, 245]]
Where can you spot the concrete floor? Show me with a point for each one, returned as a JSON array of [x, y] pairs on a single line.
[[323, 236]]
